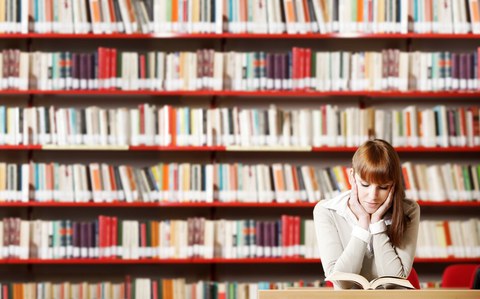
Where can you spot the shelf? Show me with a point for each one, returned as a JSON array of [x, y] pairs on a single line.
[[159, 205], [265, 93], [238, 148], [163, 261], [402, 149], [473, 204], [233, 148], [177, 148], [423, 203], [358, 35], [424, 260], [53, 147], [110, 261], [20, 147], [451, 149]]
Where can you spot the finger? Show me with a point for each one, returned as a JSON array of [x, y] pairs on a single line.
[[390, 194]]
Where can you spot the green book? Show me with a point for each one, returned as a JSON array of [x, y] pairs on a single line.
[[119, 238]]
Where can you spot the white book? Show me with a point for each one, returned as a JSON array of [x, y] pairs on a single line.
[[436, 186], [24, 240], [270, 17], [127, 23], [290, 19], [261, 23]]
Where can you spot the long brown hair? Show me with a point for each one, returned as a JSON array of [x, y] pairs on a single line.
[[376, 161]]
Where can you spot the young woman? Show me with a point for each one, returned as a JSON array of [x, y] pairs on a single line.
[[372, 229]]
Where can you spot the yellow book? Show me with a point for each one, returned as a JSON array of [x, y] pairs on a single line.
[[3, 182], [2, 13]]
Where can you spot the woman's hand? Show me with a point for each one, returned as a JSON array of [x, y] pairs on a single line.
[[378, 215], [362, 216]]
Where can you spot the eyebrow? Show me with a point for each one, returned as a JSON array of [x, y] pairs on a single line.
[[383, 184]]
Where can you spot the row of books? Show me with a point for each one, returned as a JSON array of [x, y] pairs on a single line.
[[206, 69], [289, 236], [452, 238], [187, 183], [109, 237], [151, 125], [439, 182], [220, 182], [259, 16], [430, 284], [144, 288]]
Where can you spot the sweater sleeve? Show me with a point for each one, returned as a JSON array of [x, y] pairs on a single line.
[[332, 254], [397, 261]]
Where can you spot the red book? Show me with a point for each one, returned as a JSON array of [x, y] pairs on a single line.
[[308, 67], [141, 109], [101, 235], [108, 237], [296, 235], [175, 177], [408, 122], [106, 68], [324, 119], [448, 237], [291, 234], [463, 122], [285, 236], [344, 171], [406, 179], [81, 291], [143, 67], [128, 287], [296, 187], [301, 70], [155, 289], [101, 67], [173, 125], [295, 67], [113, 18], [114, 231], [143, 238], [113, 183], [113, 68]]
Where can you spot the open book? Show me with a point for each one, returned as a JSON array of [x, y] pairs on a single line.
[[383, 282]]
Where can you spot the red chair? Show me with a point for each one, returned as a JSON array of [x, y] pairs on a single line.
[[413, 278], [476, 279], [458, 276]]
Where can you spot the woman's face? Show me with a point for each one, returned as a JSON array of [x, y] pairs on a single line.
[[370, 195]]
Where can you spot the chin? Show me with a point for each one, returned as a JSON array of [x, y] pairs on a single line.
[[370, 210]]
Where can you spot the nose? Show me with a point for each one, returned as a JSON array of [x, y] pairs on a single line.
[[372, 193]]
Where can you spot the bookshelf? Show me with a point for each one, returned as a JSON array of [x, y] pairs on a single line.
[[223, 42], [280, 94], [299, 205], [106, 261], [244, 36], [331, 149]]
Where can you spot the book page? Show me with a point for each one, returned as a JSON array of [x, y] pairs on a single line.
[[391, 282], [352, 277]]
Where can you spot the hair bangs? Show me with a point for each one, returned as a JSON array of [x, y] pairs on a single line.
[[375, 173]]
